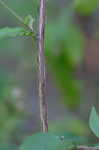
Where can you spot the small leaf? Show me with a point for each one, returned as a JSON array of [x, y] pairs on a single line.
[[13, 32], [29, 21], [44, 141], [94, 122]]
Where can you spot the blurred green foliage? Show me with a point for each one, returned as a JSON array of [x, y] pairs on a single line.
[[8, 147], [9, 113], [64, 52], [86, 7], [70, 125]]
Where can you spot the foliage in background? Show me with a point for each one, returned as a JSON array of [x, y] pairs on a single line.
[[70, 124], [64, 51], [86, 7], [10, 115], [64, 48]]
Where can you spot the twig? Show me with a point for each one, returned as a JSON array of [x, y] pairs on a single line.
[[12, 12], [42, 74], [20, 19], [82, 147]]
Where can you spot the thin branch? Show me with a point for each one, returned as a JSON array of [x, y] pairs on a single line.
[[12, 11], [42, 74], [82, 147], [20, 19]]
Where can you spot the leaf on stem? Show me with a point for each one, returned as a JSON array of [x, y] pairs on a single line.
[[44, 141], [94, 122], [13, 32], [29, 21]]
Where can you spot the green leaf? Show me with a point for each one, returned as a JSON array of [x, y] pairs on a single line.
[[44, 141], [94, 122], [72, 138], [13, 32], [29, 21]]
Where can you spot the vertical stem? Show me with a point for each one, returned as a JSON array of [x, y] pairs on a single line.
[[42, 75]]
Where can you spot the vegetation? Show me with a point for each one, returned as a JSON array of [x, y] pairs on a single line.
[[60, 43]]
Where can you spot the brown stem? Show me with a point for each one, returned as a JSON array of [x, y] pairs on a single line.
[[82, 147], [42, 75]]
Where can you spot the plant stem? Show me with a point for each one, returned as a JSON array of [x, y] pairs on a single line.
[[42, 74], [82, 147]]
